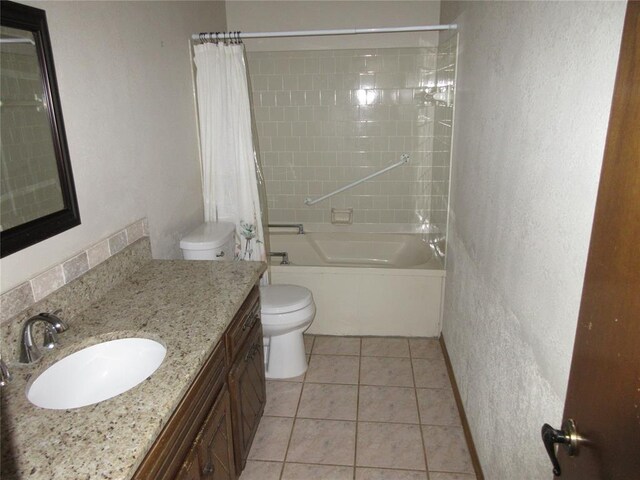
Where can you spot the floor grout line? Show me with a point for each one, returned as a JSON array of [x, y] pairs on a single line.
[[352, 420], [293, 424], [355, 449], [415, 396]]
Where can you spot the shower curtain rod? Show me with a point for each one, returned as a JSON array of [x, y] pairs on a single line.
[[317, 33]]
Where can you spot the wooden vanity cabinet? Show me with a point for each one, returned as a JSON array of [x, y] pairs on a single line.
[[174, 444], [209, 435]]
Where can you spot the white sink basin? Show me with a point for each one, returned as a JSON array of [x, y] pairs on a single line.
[[96, 373]]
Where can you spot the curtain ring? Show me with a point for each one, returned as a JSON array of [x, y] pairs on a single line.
[[239, 38], [217, 33]]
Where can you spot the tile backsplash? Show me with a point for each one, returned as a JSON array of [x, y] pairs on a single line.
[[28, 293], [327, 118]]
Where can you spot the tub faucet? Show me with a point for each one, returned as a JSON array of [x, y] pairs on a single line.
[[29, 351], [284, 255]]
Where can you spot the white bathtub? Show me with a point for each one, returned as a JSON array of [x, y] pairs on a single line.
[[364, 283]]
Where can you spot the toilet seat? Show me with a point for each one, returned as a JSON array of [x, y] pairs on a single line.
[[282, 299]]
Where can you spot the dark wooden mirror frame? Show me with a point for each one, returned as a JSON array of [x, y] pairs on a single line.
[[19, 16]]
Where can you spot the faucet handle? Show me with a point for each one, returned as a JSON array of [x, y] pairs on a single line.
[[56, 321], [50, 337]]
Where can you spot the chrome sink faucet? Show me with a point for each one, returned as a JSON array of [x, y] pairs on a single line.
[[29, 351]]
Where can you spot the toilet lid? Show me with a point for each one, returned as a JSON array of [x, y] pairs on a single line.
[[284, 298], [208, 236]]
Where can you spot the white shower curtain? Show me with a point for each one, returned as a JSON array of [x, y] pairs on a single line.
[[229, 163]]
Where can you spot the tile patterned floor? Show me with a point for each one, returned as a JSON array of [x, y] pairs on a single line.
[[367, 409]]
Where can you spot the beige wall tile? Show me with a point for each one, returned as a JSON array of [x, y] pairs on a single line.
[[359, 108], [99, 253], [15, 300], [47, 283], [75, 267], [37, 288]]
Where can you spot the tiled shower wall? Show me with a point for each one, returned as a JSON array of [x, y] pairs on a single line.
[[327, 118], [29, 175]]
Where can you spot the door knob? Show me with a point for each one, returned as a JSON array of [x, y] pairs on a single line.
[[568, 437]]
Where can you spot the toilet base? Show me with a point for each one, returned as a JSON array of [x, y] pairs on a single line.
[[285, 355]]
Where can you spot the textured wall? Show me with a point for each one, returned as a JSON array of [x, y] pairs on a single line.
[[124, 74], [327, 118], [533, 96]]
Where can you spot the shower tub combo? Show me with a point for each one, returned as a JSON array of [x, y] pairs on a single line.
[[365, 283]]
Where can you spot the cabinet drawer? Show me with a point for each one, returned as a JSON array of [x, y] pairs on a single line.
[[167, 454], [244, 321]]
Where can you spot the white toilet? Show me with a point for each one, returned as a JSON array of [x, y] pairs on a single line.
[[286, 310], [209, 241]]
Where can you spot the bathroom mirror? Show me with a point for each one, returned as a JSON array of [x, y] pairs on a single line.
[[37, 193]]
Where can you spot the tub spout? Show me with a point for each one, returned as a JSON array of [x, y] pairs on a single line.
[[284, 255]]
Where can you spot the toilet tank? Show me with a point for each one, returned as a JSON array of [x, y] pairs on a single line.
[[210, 241]]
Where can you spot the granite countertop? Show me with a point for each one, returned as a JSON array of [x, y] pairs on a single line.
[[185, 305]]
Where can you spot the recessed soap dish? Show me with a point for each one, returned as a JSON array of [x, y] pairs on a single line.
[[342, 216]]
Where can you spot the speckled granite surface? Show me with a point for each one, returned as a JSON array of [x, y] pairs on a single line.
[[186, 305], [78, 294]]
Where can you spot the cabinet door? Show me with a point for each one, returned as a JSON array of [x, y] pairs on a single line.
[[190, 469], [248, 394], [164, 461], [215, 444]]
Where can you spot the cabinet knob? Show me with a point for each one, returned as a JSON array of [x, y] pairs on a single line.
[[208, 469], [252, 352]]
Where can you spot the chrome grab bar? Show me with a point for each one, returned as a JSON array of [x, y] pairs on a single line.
[[284, 255], [404, 158], [299, 226]]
